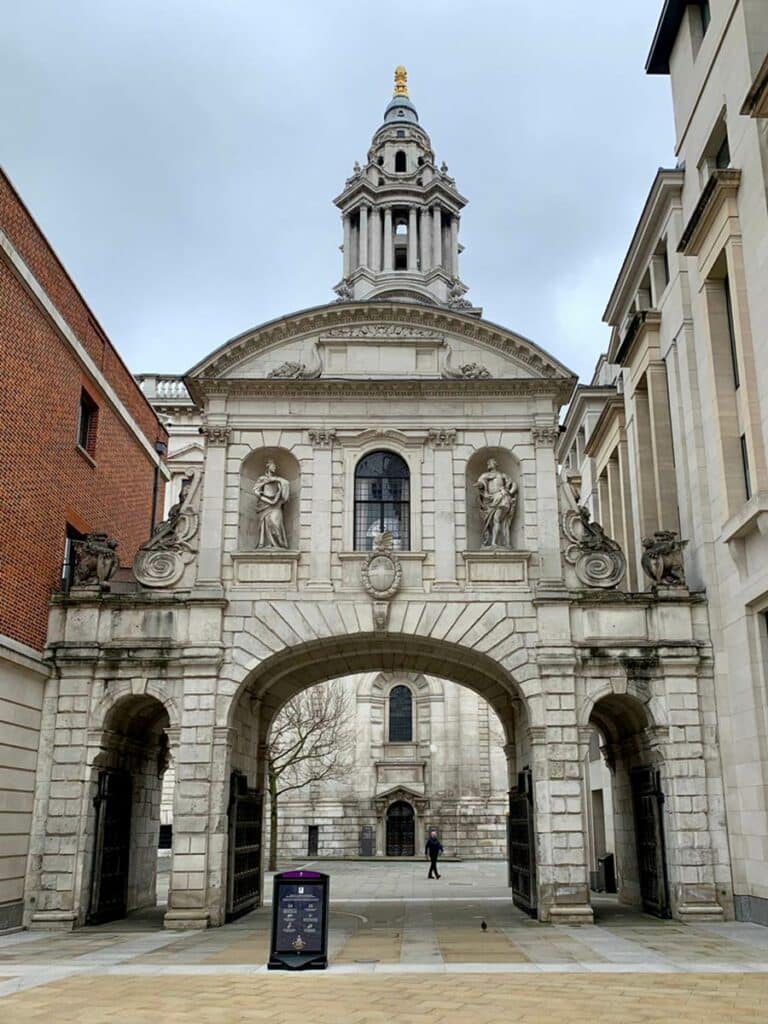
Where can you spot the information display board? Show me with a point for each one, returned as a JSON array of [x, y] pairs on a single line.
[[299, 921]]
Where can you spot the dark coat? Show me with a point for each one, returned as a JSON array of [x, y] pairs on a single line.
[[433, 848]]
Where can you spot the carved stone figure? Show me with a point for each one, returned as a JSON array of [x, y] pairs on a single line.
[[272, 493], [456, 295], [96, 559], [498, 504], [662, 559], [467, 371], [596, 557], [345, 291], [161, 561], [294, 370]]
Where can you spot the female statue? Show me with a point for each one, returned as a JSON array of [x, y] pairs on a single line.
[[272, 492], [498, 503]]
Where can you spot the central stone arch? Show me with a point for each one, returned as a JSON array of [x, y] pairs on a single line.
[[247, 716]]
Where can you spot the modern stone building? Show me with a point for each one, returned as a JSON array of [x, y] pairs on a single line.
[[671, 433], [378, 496], [77, 455]]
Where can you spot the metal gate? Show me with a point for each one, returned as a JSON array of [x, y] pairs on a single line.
[[400, 830], [648, 801], [109, 882], [521, 843], [245, 823]]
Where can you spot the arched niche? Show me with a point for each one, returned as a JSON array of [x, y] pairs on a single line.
[[252, 467], [477, 464]]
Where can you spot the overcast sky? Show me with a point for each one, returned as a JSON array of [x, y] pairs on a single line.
[[181, 155]]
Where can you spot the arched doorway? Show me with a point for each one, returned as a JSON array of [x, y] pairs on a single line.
[[637, 800], [127, 794], [401, 830]]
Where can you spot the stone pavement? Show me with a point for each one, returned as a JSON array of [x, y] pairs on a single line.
[[414, 959]]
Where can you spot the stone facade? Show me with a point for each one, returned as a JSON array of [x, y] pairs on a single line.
[[671, 432], [58, 480], [195, 670]]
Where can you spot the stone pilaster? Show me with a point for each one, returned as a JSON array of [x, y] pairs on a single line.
[[443, 441], [551, 570], [412, 239], [217, 437], [322, 485], [437, 240]]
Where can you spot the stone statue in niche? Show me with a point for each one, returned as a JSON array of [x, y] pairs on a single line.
[[498, 504], [272, 493]]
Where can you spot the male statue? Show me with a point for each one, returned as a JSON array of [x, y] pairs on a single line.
[[272, 492], [498, 503]]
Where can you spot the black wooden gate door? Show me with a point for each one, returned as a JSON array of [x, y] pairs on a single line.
[[244, 870], [648, 801], [400, 830], [521, 843], [109, 884]]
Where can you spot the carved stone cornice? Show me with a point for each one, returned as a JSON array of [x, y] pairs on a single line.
[[322, 438], [442, 438], [545, 437], [216, 434], [384, 388]]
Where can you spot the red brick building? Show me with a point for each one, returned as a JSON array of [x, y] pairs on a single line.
[[77, 453]]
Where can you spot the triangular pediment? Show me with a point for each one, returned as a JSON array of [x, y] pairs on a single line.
[[379, 341]]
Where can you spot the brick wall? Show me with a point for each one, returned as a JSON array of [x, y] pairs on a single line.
[[45, 480]]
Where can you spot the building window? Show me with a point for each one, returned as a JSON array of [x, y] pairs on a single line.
[[745, 466], [705, 15], [400, 133], [68, 566], [731, 333], [382, 500], [401, 258], [87, 420], [400, 163], [313, 840], [723, 155], [400, 715]]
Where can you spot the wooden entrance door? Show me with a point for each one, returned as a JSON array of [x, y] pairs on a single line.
[[109, 884], [521, 844], [244, 874], [401, 836], [648, 801]]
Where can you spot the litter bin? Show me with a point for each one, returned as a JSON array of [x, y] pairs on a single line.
[[606, 866]]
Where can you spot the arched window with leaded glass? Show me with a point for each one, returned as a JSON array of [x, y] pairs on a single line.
[[382, 500], [400, 715]]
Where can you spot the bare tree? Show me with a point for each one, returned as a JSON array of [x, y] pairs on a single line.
[[309, 740]]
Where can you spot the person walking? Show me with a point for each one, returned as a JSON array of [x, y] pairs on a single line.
[[433, 849]]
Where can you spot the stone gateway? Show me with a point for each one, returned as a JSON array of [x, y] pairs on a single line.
[[377, 495]]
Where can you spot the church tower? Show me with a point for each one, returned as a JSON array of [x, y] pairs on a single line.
[[401, 217]]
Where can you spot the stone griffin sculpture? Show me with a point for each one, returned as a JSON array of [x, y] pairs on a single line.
[[498, 504], [96, 560], [162, 560], [662, 559], [597, 558]]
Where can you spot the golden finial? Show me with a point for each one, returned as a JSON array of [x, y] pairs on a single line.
[[401, 81]]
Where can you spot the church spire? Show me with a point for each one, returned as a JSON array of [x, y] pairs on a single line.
[[400, 214]]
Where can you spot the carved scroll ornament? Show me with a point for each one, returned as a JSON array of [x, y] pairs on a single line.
[[162, 560], [597, 558]]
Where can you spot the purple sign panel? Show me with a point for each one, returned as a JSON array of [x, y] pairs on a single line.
[[299, 917]]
